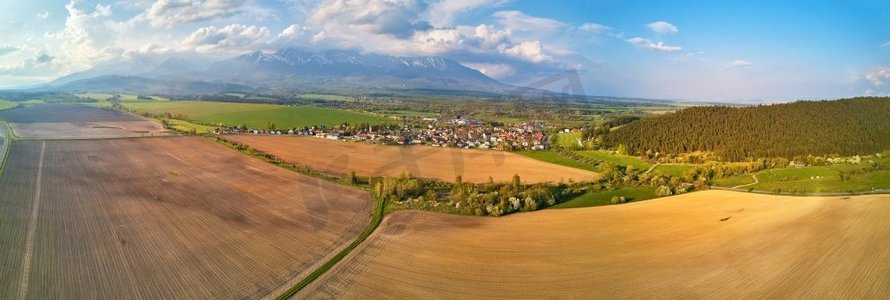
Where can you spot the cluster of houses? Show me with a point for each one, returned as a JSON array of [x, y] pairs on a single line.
[[456, 133]]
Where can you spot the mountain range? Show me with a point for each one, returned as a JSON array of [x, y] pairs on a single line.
[[285, 69]]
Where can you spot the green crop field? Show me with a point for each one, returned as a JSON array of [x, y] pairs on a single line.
[[408, 113], [188, 127], [822, 179], [7, 104], [568, 139], [556, 158], [256, 115], [673, 169], [632, 193], [733, 181], [123, 97], [621, 160], [326, 97]]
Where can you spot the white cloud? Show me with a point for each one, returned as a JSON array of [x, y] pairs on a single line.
[[532, 51], [292, 32], [234, 37], [491, 37], [442, 13], [887, 44], [318, 37], [493, 70], [167, 13], [439, 40], [878, 76], [4, 50], [43, 15], [78, 49], [515, 20], [41, 65], [593, 27], [292, 35], [652, 45], [663, 27], [351, 19], [739, 64]]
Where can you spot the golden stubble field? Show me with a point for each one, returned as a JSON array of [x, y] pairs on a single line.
[[163, 218], [712, 244], [337, 157]]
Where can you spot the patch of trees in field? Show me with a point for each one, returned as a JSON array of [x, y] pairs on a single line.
[[842, 127], [487, 199]]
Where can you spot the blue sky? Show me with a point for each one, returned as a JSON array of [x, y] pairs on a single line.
[[692, 50]]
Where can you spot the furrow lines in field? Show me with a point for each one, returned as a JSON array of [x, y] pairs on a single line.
[[32, 227]]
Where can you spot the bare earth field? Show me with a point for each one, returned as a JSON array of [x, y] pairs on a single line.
[[59, 121], [337, 157], [163, 218], [712, 244]]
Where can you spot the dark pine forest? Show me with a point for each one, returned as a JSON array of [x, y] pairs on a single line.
[[842, 127]]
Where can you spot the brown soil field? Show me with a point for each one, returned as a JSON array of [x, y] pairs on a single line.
[[88, 130], [338, 157], [61, 121], [712, 244], [163, 218], [65, 113]]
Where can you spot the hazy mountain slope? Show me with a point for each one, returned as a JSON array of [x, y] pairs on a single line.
[[289, 69], [348, 68]]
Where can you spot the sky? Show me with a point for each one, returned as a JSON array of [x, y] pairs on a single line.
[[733, 51]]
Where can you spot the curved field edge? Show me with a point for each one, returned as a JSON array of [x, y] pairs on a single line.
[[702, 244]]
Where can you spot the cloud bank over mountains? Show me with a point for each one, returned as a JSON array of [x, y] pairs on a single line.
[[502, 39]]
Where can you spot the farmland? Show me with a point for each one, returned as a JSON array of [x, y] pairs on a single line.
[[421, 161], [4, 145], [255, 115], [631, 194], [4, 105], [673, 169], [620, 160], [554, 157], [821, 179], [699, 245], [174, 217], [59, 121], [568, 139]]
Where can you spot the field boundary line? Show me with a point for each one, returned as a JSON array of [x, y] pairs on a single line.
[[32, 227], [756, 181], [8, 149], [818, 194], [652, 167], [376, 219]]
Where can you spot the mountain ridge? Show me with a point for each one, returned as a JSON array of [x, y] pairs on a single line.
[[284, 69]]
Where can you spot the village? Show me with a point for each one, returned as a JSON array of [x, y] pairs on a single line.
[[454, 132]]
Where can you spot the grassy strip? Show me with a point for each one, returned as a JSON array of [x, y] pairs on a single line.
[[380, 205], [598, 198], [554, 157], [9, 138]]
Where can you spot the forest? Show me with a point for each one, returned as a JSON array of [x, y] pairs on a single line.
[[842, 127]]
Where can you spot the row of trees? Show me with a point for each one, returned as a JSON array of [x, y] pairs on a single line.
[[492, 198], [844, 127]]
